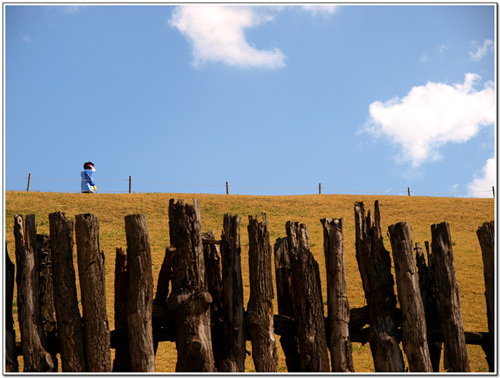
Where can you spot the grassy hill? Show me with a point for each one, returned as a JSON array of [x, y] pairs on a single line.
[[465, 215]]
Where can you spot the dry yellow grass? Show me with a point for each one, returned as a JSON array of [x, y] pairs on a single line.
[[465, 215]]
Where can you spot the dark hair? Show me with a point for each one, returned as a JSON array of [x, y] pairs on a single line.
[[88, 165]]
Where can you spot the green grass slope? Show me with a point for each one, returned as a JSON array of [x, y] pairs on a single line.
[[465, 215]]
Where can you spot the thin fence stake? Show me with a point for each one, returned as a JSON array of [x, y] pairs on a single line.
[[409, 192], [493, 189], [319, 188], [227, 187], [130, 184], [29, 183]]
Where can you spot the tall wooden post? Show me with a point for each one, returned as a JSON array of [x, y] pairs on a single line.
[[486, 236], [260, 318], [189, 302], [234, 312], [69, 321], [121, 362], [448, 299], [11, 363], [93, 293], [338, 305], [375, 268], [140, 301], [412, 308]]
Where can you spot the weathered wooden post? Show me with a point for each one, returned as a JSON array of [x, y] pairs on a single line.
[[140, 301], [234, 313], [11, 363], [428, 291], [338, 304], [375, 268], [189, 302], [121, 362], [412, 308], [448, 299], [308, 303], [35, 355], [285, 294], [260, 314], [93, 293], [69, 321], [29, 182], [486, 236]]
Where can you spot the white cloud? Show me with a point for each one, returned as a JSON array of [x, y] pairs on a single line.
[[432, 115], [481, 51], [320, 9], [217, 33], [482, 183]]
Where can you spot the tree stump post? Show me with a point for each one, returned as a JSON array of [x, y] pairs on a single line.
[[93, 293], [260, 314], [413, 323], [428, 290], [121, 362], [140, 301], [69, 321], [285, 294], [189, 301], [338, 304], [35, 355], [486, 236], [234, 313], [374, 264], [11, 363], [308, 303], [448, 299]]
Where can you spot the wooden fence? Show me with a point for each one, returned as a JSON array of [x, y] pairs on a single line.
[[199, 298]]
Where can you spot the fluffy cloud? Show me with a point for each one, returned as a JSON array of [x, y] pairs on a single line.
[[320, 9], [217, 33], [482, 183], [432, 115], [481, 51]]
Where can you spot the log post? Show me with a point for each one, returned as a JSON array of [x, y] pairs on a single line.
[[374, 264], [234, 313], [121, 362], [189, 302], [285, 294], [69, 321], [260, 314], [448, 299], [308, 303], [338, 304], [486, 236], [93, 293], [413, 324], [428, 291], [11, 363], [35, 355], [215, 287], [140, 301]]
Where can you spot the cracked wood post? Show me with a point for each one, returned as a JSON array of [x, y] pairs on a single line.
[[93, 293], [448, 299], [213, 276], [486, 236], [374, 264], [260, 316], [36, 357], [413, 325], [427, 286], [11, 363], [121, 362], [140, 301], [189, 301], [285, 294], [308, 303], [338, 304], [69, 321], [234, 313]]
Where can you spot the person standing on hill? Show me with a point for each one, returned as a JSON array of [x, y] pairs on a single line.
[[88, 184]]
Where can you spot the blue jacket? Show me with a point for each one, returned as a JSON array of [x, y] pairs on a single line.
[[87, 181]]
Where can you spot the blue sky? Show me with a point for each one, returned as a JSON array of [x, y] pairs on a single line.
[[273, 99]]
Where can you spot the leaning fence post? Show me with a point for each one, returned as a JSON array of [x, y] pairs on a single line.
[[448, 299], [140, 301], [29, 182], [93, 293], [227, 187]]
